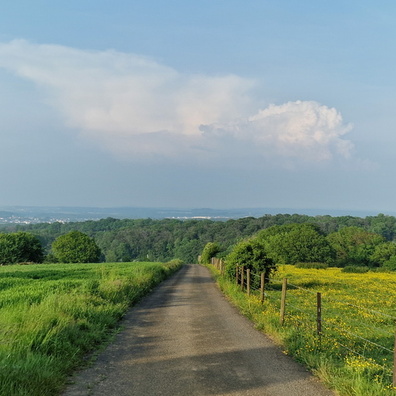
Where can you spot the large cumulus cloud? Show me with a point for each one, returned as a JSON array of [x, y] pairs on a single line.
[[135, 106], [303, 130]]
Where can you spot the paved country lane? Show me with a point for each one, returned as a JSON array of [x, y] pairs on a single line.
[[186, 339]]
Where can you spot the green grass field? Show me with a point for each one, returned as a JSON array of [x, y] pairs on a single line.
[[354, 353], [52, 316]]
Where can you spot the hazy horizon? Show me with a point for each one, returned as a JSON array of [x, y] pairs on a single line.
[[10, 214]]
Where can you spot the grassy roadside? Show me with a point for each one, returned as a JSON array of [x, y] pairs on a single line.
[[347, 376], [51, 316]]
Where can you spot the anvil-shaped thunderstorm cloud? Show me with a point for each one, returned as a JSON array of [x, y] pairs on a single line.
[[136, 107]]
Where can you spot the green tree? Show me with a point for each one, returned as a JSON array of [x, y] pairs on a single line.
[[390, 264], [354, 246], [210, 250], [251, 254], [75, 247], [383, 225], [383, 253], [20, 247], [188, 251], [296, 243]]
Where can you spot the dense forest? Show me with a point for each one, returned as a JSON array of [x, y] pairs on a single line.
[[163, 240]]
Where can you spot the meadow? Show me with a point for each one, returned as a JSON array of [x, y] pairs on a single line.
[[353, 352], [52, 316]]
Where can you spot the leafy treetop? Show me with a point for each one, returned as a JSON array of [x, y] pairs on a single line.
[[75, 247]]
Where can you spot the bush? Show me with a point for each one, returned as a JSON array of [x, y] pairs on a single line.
[[174, 263], [75, 247], [210, 250], [251, 254], [312, 265], [20, 247], [356, 269]]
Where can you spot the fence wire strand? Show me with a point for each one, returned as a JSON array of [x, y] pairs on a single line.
[[386, 369], [271, 296], [359, 337]]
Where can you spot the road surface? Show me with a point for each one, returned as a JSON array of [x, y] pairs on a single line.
[[186, 339]]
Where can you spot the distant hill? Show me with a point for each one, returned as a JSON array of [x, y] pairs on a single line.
[[49, 214]]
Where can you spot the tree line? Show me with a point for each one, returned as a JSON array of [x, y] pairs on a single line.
[[339, 240], [306, 245]]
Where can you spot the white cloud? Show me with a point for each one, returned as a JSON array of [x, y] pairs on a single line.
[[115, 96], [134, 105], [303, 130]]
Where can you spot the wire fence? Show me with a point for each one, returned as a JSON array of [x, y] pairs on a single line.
[[362, 336]]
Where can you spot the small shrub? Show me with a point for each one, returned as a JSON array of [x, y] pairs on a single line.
[[174, 263], [355, 269], [312, 265], [252, 255]]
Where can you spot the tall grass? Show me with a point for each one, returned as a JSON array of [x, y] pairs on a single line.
[[357, 313], [52, 315]]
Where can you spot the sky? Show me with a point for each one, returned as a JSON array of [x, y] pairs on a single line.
[[218, 104]]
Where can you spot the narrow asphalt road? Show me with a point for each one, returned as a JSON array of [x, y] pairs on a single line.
[[186, 339]]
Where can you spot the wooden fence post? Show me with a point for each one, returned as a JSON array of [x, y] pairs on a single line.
[[394, 363], [262, 287], [237, 274], [248, 282], [283, 302], [319, 313], [242, 277]]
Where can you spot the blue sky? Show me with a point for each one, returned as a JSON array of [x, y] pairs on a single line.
[[220, 104]]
